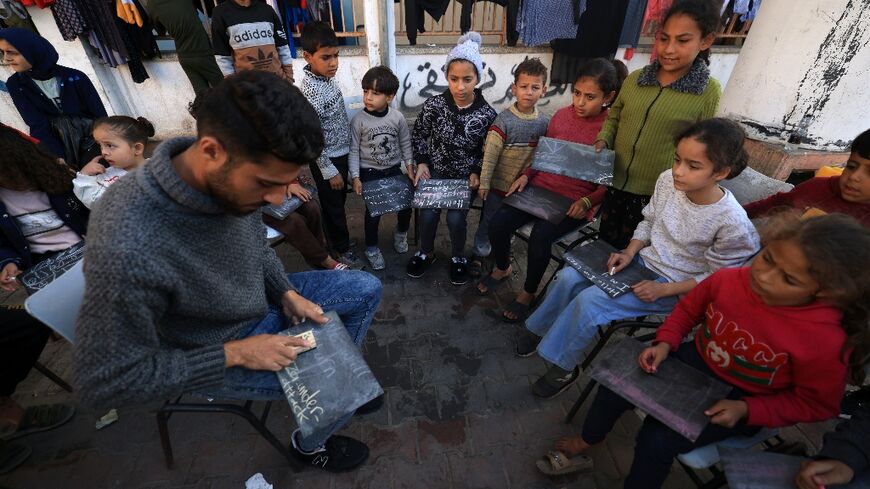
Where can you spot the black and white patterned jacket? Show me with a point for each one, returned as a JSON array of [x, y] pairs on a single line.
[[323, 93], [450, 140]]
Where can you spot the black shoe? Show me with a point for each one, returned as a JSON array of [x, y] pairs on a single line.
[[555, 382], [459, 271], [338, 454], [419, 264], [527, 343], [371, 406], [852, 401]]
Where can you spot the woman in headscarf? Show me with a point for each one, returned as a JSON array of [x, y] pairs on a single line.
[[58, 103]]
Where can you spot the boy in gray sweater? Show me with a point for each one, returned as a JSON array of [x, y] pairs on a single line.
[[380, 145], [183, 294]]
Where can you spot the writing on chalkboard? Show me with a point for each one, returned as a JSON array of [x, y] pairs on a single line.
[[753, 469], [676, 394], [329, 381], [41, 274], [389, 194], [574, 160], [289, 205], [591, 261], [442, 194], [540, 202]]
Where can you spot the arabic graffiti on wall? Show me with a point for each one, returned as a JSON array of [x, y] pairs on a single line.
[[424, 77]]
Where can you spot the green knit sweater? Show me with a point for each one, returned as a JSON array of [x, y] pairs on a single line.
[[646, 117]]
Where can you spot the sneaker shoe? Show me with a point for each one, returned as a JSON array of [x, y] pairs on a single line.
[[351, 259], [400, 242], [419, 263], [854, 400], [555, 382], [338, 454], [459, 271], [527, 343], [376, 259]]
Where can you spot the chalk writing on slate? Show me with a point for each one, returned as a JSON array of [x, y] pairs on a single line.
[[386, 195], [574, 160], [755, 469], [676, 394], [540, 202], [289, 205], [326, 383], [591, 260], [41, 274], [442, 194]]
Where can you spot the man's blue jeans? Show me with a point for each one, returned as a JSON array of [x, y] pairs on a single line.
[[354, 295], [574, 309]]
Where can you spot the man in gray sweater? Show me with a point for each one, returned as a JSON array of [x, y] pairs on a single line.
[[183, 293]]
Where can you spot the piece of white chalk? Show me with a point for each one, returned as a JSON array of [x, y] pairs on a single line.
[[612, 271]]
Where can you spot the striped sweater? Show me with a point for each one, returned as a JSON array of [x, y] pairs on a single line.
[[510, 144], [645, 118]]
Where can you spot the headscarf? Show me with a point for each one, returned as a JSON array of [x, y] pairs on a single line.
[[35, 49]]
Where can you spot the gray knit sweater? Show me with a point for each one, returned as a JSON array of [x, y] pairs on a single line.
[[170, 278]]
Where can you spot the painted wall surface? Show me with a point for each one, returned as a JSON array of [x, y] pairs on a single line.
[[802, 62]]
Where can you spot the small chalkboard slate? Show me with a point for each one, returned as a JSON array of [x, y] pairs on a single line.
[[386, 195], [442, 194], [591, 260], [754, 469], [574, 160], [540, 202], [676, 394], [332, 380], [41, 274], [289, 205]]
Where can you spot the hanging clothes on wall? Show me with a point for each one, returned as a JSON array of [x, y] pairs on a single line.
[[295, 16], [10, 9], [630, 34], [512, 8], [541, 21], [597, 36], [746, 12], [69, 19], [139, 41], [414, 15]]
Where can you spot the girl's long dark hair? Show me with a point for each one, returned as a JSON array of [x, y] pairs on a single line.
[[25, 165], [705, 13], [837, 247]]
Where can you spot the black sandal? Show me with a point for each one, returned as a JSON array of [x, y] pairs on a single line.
[[520, 310]]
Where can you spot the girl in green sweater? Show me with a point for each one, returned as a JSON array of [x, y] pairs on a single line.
[[655, 103]]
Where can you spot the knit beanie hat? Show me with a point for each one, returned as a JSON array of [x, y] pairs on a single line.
[[35, 49], [468, 49]]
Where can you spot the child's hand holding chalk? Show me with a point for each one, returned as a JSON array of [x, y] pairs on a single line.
[[650, 358]]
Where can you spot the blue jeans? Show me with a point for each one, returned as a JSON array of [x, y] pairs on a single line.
[[573, 311], [481, 237], [456, 224], [354, 295]]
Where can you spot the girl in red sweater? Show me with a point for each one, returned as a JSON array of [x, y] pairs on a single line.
[[594, 90], [780, 332]]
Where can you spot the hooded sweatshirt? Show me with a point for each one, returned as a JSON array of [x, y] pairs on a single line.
[[76, 94], [788, 358]]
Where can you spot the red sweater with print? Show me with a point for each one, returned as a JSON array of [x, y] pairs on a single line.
[[821, 193], [788, 358], [567, 126]]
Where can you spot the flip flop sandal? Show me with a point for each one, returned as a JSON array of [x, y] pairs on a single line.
[[520, 310], [12, 455], [557, 463], [42, 418], [490, 283]]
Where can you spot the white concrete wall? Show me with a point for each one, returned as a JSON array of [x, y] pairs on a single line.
[[803, 60]]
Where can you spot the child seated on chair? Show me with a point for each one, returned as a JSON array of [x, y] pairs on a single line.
[[848, 193], [595, 88], [782, 332], [691, 228], [844, 456]]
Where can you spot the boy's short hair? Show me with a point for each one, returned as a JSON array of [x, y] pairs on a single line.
[[318, 35], [531, 67], [861, 145], [382, 79], [257, 113]]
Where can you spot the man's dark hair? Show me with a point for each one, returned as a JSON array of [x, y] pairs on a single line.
[[531, 67], [382, 79], [318, 35], [861, 145], [256, 113]]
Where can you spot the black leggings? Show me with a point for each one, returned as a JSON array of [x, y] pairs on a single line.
[[332, 205], [544, 233]]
